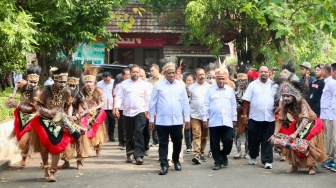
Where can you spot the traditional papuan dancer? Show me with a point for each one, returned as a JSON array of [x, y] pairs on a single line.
[[94, 98], [241, 129], [305, 139], [52, 131], [25, 110], [82, 145]]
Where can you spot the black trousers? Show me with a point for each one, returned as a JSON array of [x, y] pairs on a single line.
[[146, 134], [134, 127], [110, 124], [258, 133], [175, 133], [155, 138], [222, 134], [188, 137], [121, 134]]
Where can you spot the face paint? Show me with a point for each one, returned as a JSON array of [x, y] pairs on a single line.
[[62, 84], [242, 83], [89, 84], [32, 84], [287, 99], [72, 87]]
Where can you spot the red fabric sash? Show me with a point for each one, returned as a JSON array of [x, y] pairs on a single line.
[[45, 140], [318, 127], [17, 125], [99, 120]]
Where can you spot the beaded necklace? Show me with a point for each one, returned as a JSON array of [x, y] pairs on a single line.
[[57, 97]]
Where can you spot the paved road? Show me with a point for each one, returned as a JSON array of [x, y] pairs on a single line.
[[110, 170]]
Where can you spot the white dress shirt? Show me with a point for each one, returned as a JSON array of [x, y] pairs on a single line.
[[261, 97], [333, 107], [115, 94], [107, 90], [134, 96], [197, 99], [169, 103], [220, 106], [327, 98]]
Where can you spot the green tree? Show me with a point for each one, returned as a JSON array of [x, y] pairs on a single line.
[[17, 31], [62, 24], [266, 30]]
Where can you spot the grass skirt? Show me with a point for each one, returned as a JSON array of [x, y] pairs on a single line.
[[316, 153]]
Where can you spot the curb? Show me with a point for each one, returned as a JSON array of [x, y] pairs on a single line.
[[9, 161]]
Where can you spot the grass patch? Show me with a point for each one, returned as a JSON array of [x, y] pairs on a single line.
[[6, 113]]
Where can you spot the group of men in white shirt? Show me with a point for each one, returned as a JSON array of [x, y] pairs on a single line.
[[328, 110], [211, 108]]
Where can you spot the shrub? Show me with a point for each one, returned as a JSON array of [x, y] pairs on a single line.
[[6, 113]]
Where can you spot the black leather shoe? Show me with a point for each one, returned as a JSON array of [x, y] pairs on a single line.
[[163, 171], [177, 166], [216, 167], [225, 160], [139, 161], [129, 159]]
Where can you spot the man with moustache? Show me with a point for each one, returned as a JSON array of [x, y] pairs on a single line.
[[259, 102], [220, 115], [197, 92], [134, 94], [169, 108]]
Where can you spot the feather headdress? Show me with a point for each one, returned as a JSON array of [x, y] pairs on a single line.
[[33, 73], [90, 72]]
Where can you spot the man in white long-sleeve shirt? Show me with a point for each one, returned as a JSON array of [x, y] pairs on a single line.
[[326, 109], [106, 85], [134, 95], [220, 110], [169, 107]]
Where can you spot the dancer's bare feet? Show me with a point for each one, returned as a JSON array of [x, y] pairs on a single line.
[[24, 161], [79, 165], [46, 173], [312, 171], [52, 177], [283, 158], [292, 169], [65, 165]]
